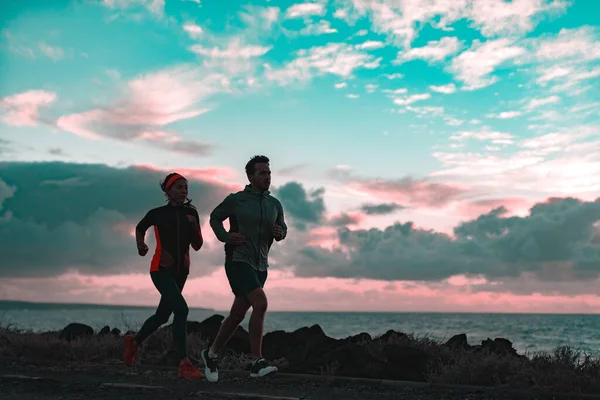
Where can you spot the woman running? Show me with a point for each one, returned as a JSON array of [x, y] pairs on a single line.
[[176, 227]]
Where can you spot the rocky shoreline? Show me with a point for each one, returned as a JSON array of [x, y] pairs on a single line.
[[308, 350]]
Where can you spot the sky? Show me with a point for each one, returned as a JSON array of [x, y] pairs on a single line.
[[430, 155]]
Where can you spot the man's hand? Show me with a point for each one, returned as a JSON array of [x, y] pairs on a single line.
[[235, 238], [277, 232], [142, 249]]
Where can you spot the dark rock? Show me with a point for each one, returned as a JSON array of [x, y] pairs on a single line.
[[310, 350], [115, 332], [355, 360], [104, 331], [75, 331], [458, 342], [129, 332], [499, 346], [298, 347], [392, 336], [360, 338]]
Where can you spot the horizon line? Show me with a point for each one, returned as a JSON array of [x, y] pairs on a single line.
[[306, 311]]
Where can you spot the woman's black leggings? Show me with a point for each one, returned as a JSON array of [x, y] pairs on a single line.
[[171, 301]]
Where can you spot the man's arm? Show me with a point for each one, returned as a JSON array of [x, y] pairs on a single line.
[[142, 227], [220, 214], [197, 240], [281, 221]]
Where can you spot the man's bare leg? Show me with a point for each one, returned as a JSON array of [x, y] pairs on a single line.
[[260, 367], [228, 327], [258, 301]]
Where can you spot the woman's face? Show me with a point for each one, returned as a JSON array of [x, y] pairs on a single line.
[[178, 191]]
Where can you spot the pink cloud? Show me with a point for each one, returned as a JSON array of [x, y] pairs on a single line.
[[22, 109], [147, 104], [287, 292], [418, 193], [326, 237], [346, 219], [221, 176], [473, 209]]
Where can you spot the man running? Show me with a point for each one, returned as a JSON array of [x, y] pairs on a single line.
[[255, 220]]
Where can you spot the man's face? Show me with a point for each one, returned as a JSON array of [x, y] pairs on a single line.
[[261, 179]]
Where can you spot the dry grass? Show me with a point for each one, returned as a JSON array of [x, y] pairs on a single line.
[[563, 370]]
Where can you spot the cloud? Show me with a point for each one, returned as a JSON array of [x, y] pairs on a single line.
[[292, 169], [484, 134], [394, 76], [193, 30], [66, 216], [235, 50], [303, 207], [408, 191], [55, 53], [235, 59], [381, 209], [340, 85], [435, 51], [22, 109], [475, 208], [320, 28], [411, 99], [475, 66], [147, 104], [18, 44], [402, 20], [334, 58], [345, 219], [446, 89], [498, 17], [259, 20], [580, 44], [370, 45], [554, 242], [552, 167], [371, 88], [566, 59], [155, 7], [536, 103], [506, 115], [305, 10]]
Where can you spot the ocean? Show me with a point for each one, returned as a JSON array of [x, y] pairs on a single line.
[[530, 333]]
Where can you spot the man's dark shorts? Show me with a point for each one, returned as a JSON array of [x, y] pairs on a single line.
[[243, 279]]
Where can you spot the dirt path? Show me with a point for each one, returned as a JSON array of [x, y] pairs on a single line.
[[22, 380]]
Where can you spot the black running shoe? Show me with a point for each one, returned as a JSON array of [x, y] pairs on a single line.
[[211, 371], [260, 368]]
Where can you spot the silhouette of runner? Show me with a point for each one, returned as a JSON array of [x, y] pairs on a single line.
[[255, 220], [176, 227]]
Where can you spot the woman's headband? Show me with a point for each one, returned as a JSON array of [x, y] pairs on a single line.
[[172, 180]]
